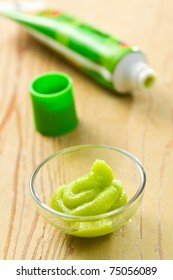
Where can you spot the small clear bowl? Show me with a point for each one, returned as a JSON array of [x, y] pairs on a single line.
[[68, 164]]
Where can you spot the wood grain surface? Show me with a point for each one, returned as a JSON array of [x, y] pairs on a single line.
[[139, 123]]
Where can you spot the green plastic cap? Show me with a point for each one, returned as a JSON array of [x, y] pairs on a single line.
[[53, 103]]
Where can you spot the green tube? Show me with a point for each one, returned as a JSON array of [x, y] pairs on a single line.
[[105, 58]]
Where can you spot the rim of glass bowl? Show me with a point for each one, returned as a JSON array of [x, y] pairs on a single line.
[[94, 217]]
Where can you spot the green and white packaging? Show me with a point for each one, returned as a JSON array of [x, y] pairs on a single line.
[[103, 57]]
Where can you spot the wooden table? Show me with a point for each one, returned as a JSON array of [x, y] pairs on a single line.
[[139, 123]]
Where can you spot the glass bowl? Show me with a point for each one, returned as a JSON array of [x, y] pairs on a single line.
[[68, 164]]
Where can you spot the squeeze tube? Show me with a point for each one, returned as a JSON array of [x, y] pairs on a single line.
[[103, 57]]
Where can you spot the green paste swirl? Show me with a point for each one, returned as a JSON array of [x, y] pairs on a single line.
[[94, 193]]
